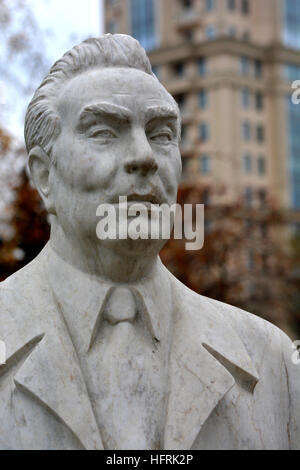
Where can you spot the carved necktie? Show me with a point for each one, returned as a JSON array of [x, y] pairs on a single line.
[[131, 401]]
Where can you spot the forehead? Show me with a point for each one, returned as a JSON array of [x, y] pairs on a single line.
[[129, 88]]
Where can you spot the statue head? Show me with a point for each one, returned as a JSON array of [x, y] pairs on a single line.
[[101, 126]]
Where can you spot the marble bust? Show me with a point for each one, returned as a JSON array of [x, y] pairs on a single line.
[[105, 349]]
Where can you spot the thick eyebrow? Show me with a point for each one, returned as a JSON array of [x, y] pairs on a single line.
[[161, 112], [105, 109]]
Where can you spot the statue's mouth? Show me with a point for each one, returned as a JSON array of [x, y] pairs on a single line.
[[152, 197], [138, 197]]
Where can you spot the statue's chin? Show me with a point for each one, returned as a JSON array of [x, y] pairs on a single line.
[[134, 238], [134, 248]]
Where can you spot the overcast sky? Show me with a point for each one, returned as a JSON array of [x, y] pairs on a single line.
[[67, 17], [69, 21]]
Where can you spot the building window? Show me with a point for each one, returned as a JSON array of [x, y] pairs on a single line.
[[112, 27], [205, 164], [248, 227], [143, 22], [251, 264], [187, 4], [202, 98], [292, 72], [232, 31], [246, 130], [245, 98], [206, 197], [201, 66], [258, 68], [183, 133], [248, 197], [262, 197], [181, 101], [260, 133], [261, 166], [231, 4], [291, 23], [244, 65], [185, 166], [263, 228], [246, 36], [178, 69], [245, 7], [155, 70], [210, 32], [259, 100], [208, 225], [210, 4], [188, 35], [247, 162], [204, 131]]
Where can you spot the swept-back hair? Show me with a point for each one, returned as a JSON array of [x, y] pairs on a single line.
[[42, 122]]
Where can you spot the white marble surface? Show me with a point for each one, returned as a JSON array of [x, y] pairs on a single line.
[[182, 371]]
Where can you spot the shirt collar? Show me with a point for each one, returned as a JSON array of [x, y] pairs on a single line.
[[84, 296]]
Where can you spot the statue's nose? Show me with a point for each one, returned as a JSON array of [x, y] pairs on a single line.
[[142, 166], [141, 159]]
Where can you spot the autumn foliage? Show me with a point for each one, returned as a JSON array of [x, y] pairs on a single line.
[[246, 260], [29, 227]]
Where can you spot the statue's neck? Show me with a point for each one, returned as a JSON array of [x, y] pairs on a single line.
[[120, 261]]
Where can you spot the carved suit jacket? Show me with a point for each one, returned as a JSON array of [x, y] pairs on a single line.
[[232, 381]]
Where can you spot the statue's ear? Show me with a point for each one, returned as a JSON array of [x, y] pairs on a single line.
[[39, 168]]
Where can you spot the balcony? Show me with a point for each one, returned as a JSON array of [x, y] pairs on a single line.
[[188, 18]]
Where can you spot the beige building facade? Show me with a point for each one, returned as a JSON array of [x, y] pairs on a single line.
[[230, 65]]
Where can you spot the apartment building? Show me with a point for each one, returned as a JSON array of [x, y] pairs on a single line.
[[230, 65]]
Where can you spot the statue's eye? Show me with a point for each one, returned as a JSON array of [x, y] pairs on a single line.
[[162, 137], [104, 134]]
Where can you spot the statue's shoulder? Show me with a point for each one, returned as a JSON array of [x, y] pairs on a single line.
[[246, 323], [14, 288], [257, 334], [20, 291], [23, 303], [254, 331]]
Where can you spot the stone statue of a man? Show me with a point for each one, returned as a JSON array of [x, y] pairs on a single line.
[[105, 348]]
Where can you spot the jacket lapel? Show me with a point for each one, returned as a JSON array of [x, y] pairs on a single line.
[[61, 389], [207, 358], [48, 368], [197, 384]]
